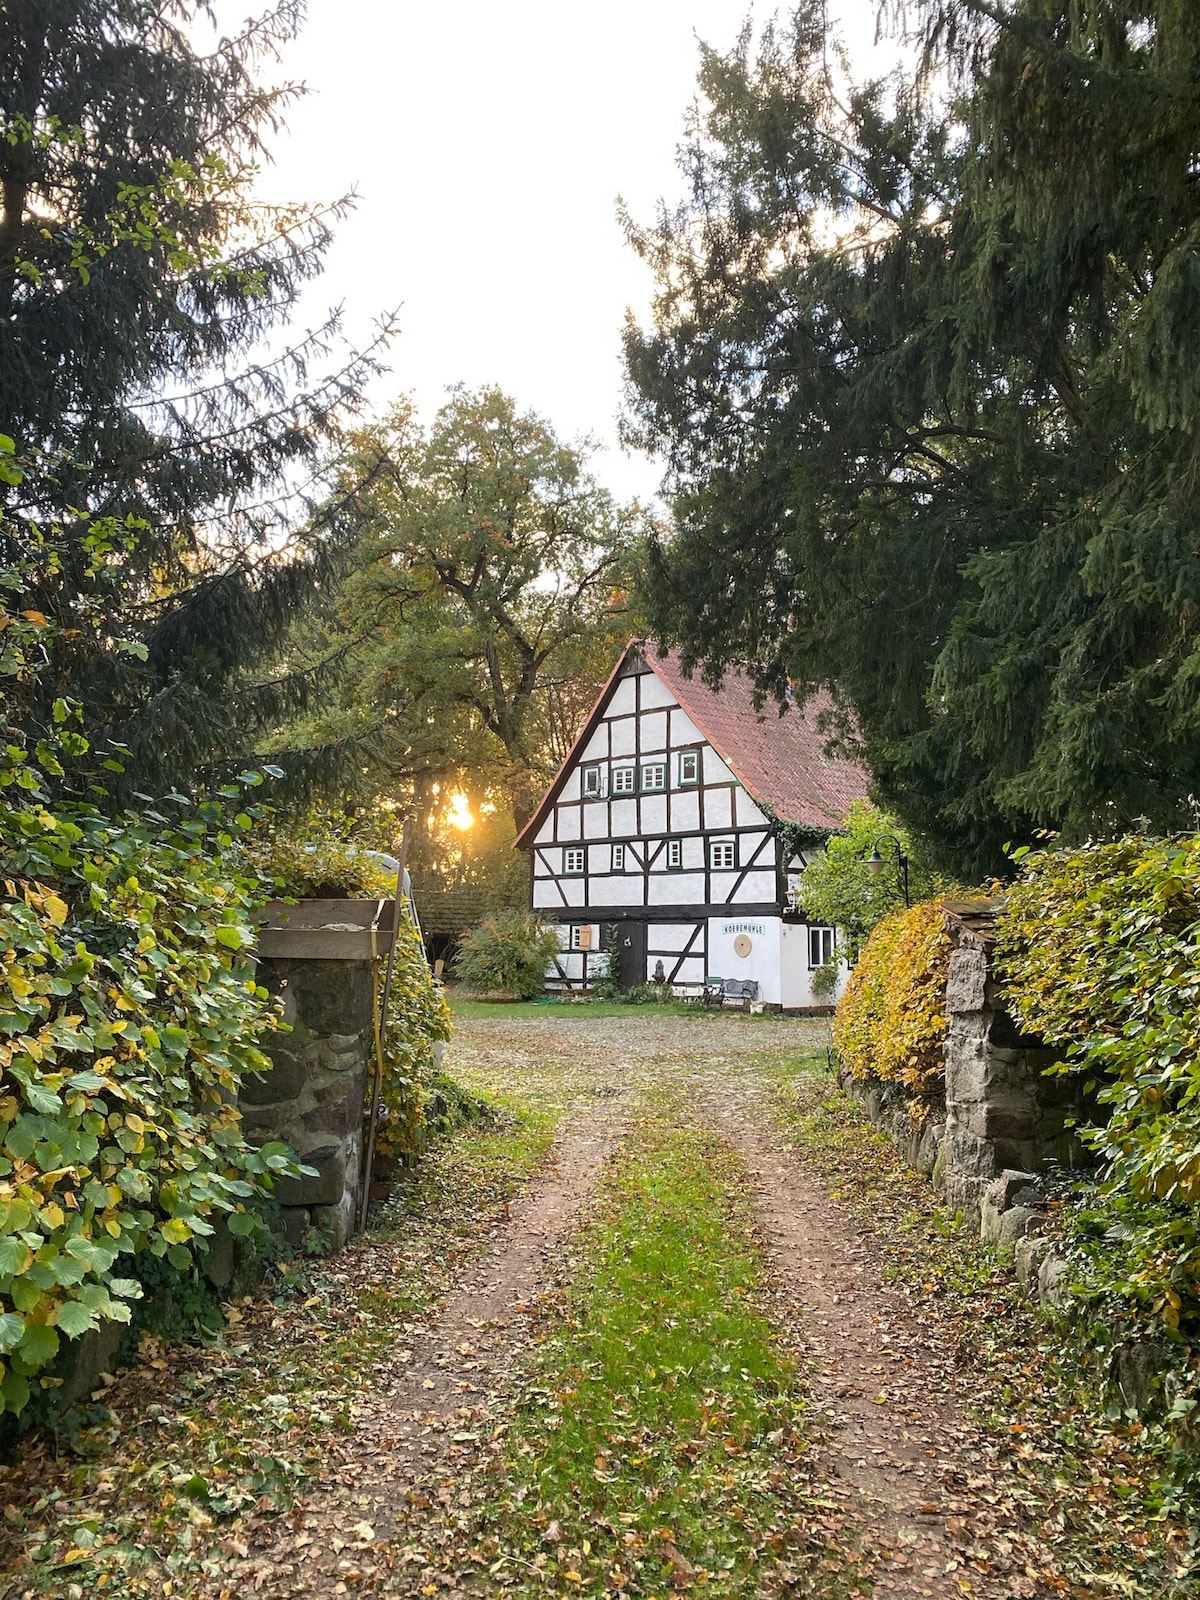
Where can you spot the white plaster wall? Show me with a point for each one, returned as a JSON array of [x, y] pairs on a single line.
[[683, 729], [715, 770], [718, 809], [693, 853], [655, 692], [797, 975], [568, 822], [654, 813], [624, 819], [623, 697], [676, 888], [596, 749], [746, 810], [691, 970], [763, 962], [595, 821], [671, 935], [546, 831], [758, 886], [654, 732], [622, 736], [627, 889], [685, 811]]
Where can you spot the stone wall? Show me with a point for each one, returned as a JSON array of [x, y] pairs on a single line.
[[1005, 1121], [312, 1098], [1003, 1114]]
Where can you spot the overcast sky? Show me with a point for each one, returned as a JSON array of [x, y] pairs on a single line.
[[488, 141]]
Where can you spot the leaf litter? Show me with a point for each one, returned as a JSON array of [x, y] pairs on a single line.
[[215, 1472]]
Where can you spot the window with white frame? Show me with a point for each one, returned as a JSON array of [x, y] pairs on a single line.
[[590, 781], [580, 937], [674, 855], [574, 860], [618, 858], [689, 767], [822, 947], [654, 776], [624, 780], [722, 854]]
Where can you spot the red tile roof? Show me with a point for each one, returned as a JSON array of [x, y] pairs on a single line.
[[779, 759]]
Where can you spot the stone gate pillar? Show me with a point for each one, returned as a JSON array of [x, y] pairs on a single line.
[[312, 1098], [1002, 1112]]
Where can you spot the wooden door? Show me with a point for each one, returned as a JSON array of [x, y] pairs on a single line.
[[631, 954]]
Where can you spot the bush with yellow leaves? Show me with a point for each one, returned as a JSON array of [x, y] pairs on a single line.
[[890, 1024]]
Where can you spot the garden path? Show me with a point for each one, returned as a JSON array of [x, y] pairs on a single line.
[[893, 1448]]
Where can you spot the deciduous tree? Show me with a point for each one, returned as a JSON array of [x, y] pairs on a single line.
[[488, 601]]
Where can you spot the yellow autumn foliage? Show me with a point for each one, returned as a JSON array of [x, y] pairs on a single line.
[[891, 1022]]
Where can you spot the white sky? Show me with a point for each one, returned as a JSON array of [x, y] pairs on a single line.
[[488, 143]]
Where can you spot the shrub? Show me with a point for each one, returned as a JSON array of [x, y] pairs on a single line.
[[891, 1021], [509, 952], [839, 888], [1099, 952], [129, 1014]]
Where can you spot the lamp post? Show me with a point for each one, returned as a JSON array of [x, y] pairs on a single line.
[[876, 862]]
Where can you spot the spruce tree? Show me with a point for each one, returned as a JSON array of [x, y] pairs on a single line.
[[142, 294], [925, 374]]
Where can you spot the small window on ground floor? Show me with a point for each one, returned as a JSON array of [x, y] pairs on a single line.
[[822, 947], [580, 936]]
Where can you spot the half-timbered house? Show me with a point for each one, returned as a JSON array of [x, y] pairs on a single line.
[[658, 844]]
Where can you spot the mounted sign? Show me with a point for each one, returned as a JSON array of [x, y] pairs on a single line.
[[743, 945]]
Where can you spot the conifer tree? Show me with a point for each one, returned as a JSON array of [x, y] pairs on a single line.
[[925, 372], [139, 279]]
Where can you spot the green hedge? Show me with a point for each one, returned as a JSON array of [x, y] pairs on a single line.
[[1099, 953]]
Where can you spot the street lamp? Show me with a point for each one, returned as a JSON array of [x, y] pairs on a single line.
[[876, 862]]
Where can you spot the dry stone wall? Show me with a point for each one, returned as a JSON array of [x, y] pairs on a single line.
[[1005, 1121]]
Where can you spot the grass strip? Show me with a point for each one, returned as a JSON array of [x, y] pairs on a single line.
[[661, 1440], [154, 1491], [1106, 1502]]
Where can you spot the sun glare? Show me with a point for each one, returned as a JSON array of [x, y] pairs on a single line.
[[460, 811]]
